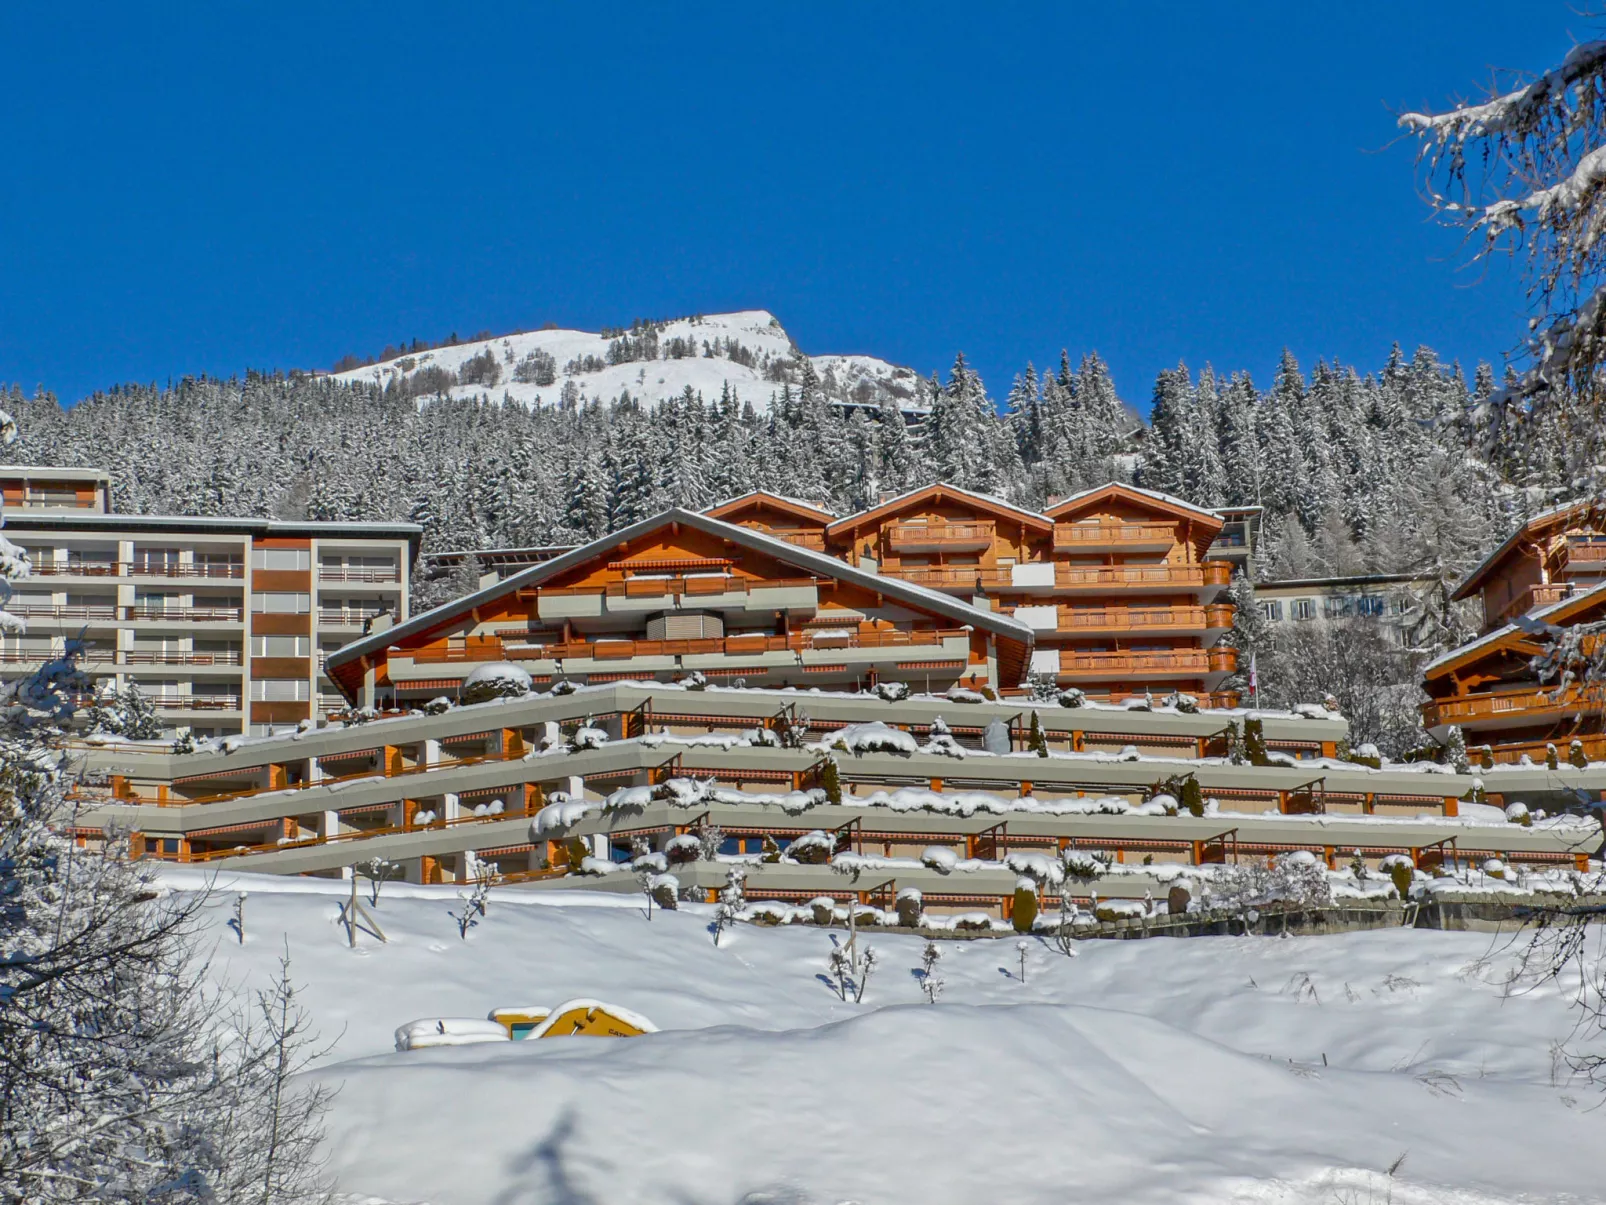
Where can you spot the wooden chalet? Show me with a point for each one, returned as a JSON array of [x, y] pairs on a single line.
[[684, 592]]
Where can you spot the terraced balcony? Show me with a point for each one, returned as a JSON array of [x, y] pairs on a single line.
[[1114, 537], [940, 537]]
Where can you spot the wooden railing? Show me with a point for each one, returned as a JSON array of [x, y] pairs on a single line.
[[1534, 597], [938, 535], [1124, 618], [738, 646], [1112, 535], [1174, 661], [116, 657], [651, 587], [1183, 577], [1508, 703]]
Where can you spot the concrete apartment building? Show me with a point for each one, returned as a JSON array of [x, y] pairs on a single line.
[[222, 622]]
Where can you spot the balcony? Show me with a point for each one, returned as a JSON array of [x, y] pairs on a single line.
[[339, 617], [812, 540], [195, 702], [625, 649], [1219, 615], [136, 657], [1509, 708], [940, 537], [1126, 619], [1223, 661], [1134, 664], [1114, 537], [1098, 579], [104, 569], [147, 614], [392, 574], [1217, 573], [87, 611]]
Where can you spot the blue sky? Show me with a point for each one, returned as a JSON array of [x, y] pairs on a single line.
[[194, 188]]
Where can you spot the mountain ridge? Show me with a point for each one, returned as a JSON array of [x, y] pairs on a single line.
[[748, 351]]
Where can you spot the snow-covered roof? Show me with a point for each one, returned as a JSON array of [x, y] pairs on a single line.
[[818, 563], [1490, 639], [1069, 502], [813, 508], [991, 501], [1474, 579], [24, 519]]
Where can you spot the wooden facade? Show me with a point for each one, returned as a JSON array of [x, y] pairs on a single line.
[[683, 594], [1551, 571]]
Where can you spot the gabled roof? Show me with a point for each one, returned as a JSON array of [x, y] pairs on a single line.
[[1511, 633], [937, 492], [1557, 517], [817, 564], [808, 511], [1133, 493]]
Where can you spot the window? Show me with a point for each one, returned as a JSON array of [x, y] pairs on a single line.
[[281, 558], [279, 603], [1303, 608], [1272, 609], [280, 690], [281, 646]]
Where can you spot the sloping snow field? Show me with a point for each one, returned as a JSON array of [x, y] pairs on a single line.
[[865, 379], [1209, 1069]]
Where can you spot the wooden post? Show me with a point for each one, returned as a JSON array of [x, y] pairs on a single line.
[[936, 784], [1452, 806], [392, 760], [278, 776], [1329, 748], [512, 744], [1077, 741]]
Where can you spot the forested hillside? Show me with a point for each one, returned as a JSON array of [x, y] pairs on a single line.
[[1386, 471]]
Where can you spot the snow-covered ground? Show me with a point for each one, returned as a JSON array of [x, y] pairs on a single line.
[[1168, 1070], [859, 378]]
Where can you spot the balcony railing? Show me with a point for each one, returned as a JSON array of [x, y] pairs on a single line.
[[916, 537], [334, 617], [149, 614], [813, 540], [1178, 661], [656, 587], [736, 646], [71, 568], [1508, 704], [1084, 537], [1127, 618], [90, 611], [195, 702], [120, 657], [359, 575], [1114, 577]]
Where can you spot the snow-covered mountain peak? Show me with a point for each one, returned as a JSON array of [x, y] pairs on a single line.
[[749, 350]]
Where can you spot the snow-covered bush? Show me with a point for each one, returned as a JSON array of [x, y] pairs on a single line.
[[870, 737], [439, 705], [695, 680], [1072, 697], [184, 741], [892, 692], [910, 907], [1402, 871], [1518, 813], [939, 858], [494, 680], [682, 849], [562, 687], [812, 849], [1576, 755], [1023, 911], [587, 737]]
